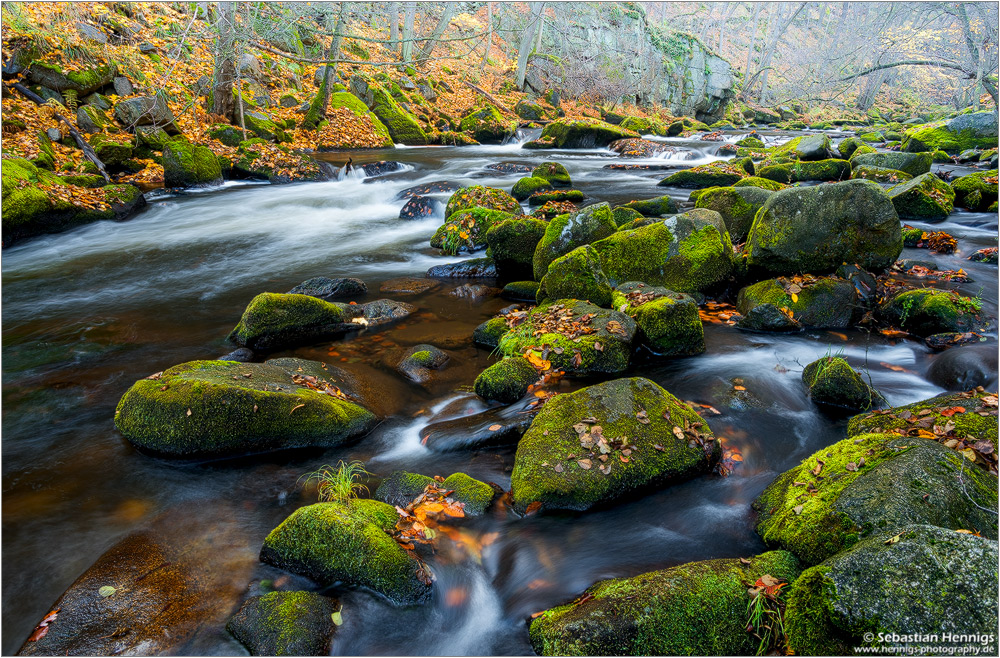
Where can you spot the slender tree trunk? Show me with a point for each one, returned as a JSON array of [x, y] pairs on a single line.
[[772, 46], [753, 39], [225, 67], [442, 25], [489, 35], [410, 13], [527, 40], [394, 27], [321, 102]]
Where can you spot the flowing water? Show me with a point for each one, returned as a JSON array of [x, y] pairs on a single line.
[[88, 312]]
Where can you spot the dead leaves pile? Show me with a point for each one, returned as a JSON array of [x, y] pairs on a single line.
[[714, 312], [919, 271], [310, 382]]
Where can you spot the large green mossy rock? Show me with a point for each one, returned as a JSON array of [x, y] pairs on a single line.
[[29, 210], [816, 229], [554, 173], [402, 126], [737, 205], [274, 320], [349, 543], [507, 380], [907, 581], [685, 253], [880, 174], [660, 206], [577, 275], [216, 408], [285, 624], [873, 483], [83, 81], [489, 333], [645, 126], [714, 174], [976, 191], [814, 147], [402, 488], [763, 183], [475, 223], [565, 233], [794, 172], [669, 322], [487, 125], [924, 198], [560, 467], [527, 186], [698, 608], [583, 133], [481, 196], [822, 303], [966, 131], [912, 163], [512, 245], [112, 152], [978, 420], [831, 381], [928, 311], [185, 164], [607, 349]]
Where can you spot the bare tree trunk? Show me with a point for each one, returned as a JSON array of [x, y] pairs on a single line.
[[321, 102], [489, 35], [753, 42], [442, 25], [410, 13], [527, 40], [225, 67], [394, 27], [722, 25], [772, 46]]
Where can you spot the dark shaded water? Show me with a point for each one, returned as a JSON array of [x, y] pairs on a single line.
[[88, 312]]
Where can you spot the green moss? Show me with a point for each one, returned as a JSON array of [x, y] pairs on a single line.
[[506, 381], [912, 163], [974, 192], [930, 311], [698, 608], [925, 198], [750, 143], [402, 126], [880, 174], [487, 125], [333, 542], [720, 174], [827, 302], [512, 245], [669, 322], [937, 137], [968, 422], [807, 616], [737, 212], [185, 164], [819, 170], [475, 223], [483, 197], [583, 133], [554, 173], [757, 181], [643, 126], [273, 320], [205, 408], [558, 196], [660, 206], [489, 333], [551, 440], [832, 381], [520, 291], [527, 186], [565, 233], [624, 216], [576, 275], [402, 488], [285, 624]]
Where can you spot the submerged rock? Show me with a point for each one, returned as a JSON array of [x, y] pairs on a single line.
[[698, 608], [831, 381], [497, 426], [350, 543], [326, 288], [214, 408], [910, 581], [520, 291], [285, 624], [473, 268], [962, 368], [873, 483], [769, 318], [558, 462], [402, 488], [816, 229]]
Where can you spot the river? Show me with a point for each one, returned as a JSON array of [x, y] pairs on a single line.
[[88, 312]]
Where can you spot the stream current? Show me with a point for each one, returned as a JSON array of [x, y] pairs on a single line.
[[88, 312]]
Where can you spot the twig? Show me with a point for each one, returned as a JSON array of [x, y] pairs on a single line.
[[488, 96], [961, 481]]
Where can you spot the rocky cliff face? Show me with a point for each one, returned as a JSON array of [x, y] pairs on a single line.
[[615, 52]]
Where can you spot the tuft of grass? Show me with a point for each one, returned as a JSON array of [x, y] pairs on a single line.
[[766, 621], [337, 485]]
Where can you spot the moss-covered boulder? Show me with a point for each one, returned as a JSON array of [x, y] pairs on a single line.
[[554, 173], [466, 230], [816, 229], [976, 191], [714, 174], [831, 381], [736, 205], [285, 624], [686, 253], [185, 164], [402, 126], [583, 133], [925, 198], [978, 418], [420, 363], [644, 126], [794, 172], [559, 197], [112, 151], [768, 318], [567, 232], [213, 408], [520, 291], [402, 488], [818, 302], [532, 111], [624, 217], [906, 581], [489, 333], [814, 147], [576, 275], [575, 336], [227, 134], [83, 81], [668, 322], [757, 181], [512, 245], [929, 311], [965, 131], [660, 206], [263, 127], [273, 320], [481, 196], [848, 146], [351, 543], [750, 143], [527, 186], [880, 174], [698, 608], [872, 483], [912, 163], [559, 459], [487, 125], [507, 380]]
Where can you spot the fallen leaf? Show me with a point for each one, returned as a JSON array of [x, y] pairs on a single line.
[[188, 412], [642, 417], [951, 411], [585, 464], [494, 428], [298, 406], [797, 509], [337, 618], [893, 540], [533, 508], [743, 560]]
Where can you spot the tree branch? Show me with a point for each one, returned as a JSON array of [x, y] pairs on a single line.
[[907, 62]]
